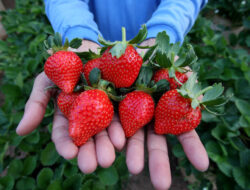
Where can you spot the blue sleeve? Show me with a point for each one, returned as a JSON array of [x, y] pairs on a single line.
[[176, 17], [72, 18]]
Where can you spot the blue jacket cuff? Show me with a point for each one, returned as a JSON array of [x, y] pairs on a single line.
[[81, 32], [153, 31]]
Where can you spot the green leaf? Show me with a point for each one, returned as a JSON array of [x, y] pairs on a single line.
[[44, 177], [149, 54], [94, 76], [108, 176], [213, 93], [243, 106], [15, 168], [102, 41], [190, 57], [237, 143], [241, 176], [33, 138], [49, 155], [73, 183], [214, 151], [29, 165], [19, 80], [245, 158], [226, 168], [118, 49], [58, 39], [145, 75], [55, 185], [162, 60], [162, 85], [25, 182], [162, 41], [141, 36], [178, 151], [7, 182], [75, 43]]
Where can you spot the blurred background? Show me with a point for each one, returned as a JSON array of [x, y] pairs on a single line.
[[221, 38]]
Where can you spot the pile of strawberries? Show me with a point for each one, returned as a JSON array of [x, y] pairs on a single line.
[[141, 89]]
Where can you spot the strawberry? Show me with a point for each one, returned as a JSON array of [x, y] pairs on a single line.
[[94, 63], [120, 63], [163, 74], [135, 111], [64, 69], [65, 101], [179, 110], [174, 114], [91, 112], [122, 71]]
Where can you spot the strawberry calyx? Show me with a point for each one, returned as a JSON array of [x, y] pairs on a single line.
[[163, 54], [145, 83], [212, 94], [98, 83], [118, 47], [54, 43]]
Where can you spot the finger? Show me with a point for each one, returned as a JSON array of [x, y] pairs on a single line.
[[135, 152], [194, 150], [105, 151], [36, 105], [159, 167], [60, 136], [116, 133], [87, 157]]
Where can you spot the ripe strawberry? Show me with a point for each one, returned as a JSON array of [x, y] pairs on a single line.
[[175, 115], [65, 101], [64, 69], [94, 63], [135, 111], [179, 110], [91, 112], [163, 74], [120, 62], [122, 71]]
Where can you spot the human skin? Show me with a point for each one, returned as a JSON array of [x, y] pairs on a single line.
[[100, 150]]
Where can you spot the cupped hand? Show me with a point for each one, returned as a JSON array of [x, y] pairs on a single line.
[[99, 150]]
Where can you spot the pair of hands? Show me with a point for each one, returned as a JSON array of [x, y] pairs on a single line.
[[100, 150]]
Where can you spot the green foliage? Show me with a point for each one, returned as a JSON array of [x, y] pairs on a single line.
[[31, 162]]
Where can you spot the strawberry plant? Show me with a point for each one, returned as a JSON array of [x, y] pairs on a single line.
[[32, 161]]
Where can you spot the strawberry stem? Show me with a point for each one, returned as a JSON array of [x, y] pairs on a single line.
[[124, 35], [203, 91]]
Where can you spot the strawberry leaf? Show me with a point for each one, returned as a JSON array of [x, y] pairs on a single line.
[[216, 102], [75, 43], [162, 41], [213, 93], [145, 75], [190, 57], [118, 49], [141, 36], [162, 59], [104, 42], [162, 85], [149, 54], [58, 39], [94, 76]]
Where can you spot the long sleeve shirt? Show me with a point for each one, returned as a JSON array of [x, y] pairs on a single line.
[[88, 18]]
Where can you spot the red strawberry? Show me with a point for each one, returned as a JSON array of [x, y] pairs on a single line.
[[163, 74], [122, 71], [135, 111], [94, 63], [174, 114], [65, 101], [64, 69], [91, 112]]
